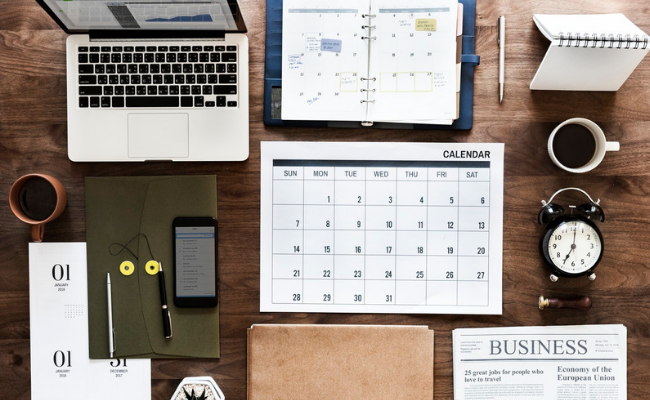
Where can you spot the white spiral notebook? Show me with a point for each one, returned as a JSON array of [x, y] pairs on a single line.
[[595, 52]]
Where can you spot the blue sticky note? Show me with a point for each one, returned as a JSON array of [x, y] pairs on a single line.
[[331, 45]]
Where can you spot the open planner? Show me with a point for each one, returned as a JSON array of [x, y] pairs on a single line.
[[370, 60]]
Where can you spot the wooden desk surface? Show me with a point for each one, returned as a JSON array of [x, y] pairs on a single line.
[[33, 139]]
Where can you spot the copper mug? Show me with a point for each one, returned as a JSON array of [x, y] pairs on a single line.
[[37, 199]]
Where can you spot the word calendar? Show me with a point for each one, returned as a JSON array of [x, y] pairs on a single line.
[[381, 227]]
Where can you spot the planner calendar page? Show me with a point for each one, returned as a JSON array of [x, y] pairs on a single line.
[[381, 227], [324, 59], [414, 60], [369, 60]]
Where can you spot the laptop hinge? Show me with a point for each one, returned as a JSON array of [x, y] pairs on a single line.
[[158, 35]]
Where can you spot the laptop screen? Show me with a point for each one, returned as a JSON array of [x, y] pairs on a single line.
[[79, 16]]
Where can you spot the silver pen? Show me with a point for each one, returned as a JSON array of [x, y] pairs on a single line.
[[501, 40], [111, 331]]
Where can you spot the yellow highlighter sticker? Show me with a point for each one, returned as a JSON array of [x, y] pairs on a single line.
[[426, 24]]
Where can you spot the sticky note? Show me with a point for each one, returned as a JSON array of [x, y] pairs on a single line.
[[331, 45], [426, 24]]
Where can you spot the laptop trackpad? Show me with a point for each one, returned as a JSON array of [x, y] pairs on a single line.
[[158, 135]]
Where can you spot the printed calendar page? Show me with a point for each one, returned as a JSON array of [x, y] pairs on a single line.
[[381, 227], [58, 305], [369, 60]]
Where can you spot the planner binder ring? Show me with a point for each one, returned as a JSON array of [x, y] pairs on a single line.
[[369, 79], [369, 37], [368, 90], [368, 15], [368, 101], [368, 26]]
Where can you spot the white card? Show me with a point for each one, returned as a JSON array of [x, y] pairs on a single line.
[[58, 301]]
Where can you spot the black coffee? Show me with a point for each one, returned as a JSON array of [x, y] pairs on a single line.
[[574, 145], [37, 198]]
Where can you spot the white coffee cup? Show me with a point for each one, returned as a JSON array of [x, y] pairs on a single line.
[[558, 151]]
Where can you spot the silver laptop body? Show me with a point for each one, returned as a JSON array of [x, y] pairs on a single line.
[[155, 80]]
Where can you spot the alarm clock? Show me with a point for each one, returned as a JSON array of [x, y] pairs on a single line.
[[572, 244]]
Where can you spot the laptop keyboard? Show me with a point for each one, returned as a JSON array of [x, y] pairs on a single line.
[[157, 76]]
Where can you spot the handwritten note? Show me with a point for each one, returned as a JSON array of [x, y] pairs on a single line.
[[426, 24], [333, 45], [312, 42], [349, 81], [295, 61]]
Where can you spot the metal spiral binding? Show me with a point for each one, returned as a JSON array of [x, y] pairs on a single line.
[[610, 41]]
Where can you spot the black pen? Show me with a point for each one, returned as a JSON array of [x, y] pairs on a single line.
[[166, 316]]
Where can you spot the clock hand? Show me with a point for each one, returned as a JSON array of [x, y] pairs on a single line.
[[573, 246]]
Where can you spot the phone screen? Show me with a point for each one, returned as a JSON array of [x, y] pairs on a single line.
[[195, 265]]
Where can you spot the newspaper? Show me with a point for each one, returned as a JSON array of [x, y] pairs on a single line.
[[586, 362]]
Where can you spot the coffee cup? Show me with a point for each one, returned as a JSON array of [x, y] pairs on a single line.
[[37, 199], [579, 145]]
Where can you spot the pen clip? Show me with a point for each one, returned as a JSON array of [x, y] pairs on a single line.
[[499, 30]]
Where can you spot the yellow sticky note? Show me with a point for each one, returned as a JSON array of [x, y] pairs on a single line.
[[426, 24]]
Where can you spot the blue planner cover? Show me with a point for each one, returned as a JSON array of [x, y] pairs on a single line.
[[273, 75]]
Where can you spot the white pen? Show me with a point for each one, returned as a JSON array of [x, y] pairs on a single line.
[[501, 40], [111, 332]]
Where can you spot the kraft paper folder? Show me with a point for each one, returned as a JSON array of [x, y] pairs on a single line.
[[273, 75], [356, 362], [118, 209]]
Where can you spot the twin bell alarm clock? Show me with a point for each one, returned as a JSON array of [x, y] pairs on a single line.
[[572, 244]]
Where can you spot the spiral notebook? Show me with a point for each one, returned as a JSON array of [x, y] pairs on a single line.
[[588, 52], [369, 60]]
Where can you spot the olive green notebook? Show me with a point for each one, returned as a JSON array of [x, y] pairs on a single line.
[[117, 210]]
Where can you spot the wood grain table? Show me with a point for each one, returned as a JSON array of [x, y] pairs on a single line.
[[33, 139]]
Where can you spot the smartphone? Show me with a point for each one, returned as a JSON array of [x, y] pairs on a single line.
[[195, 262]]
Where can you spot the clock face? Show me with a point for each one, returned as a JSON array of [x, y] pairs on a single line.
[[574, 246]]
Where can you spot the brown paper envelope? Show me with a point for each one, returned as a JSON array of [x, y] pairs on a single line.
[[356, 362]]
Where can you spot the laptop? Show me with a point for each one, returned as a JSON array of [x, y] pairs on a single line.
[[163, 80]]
